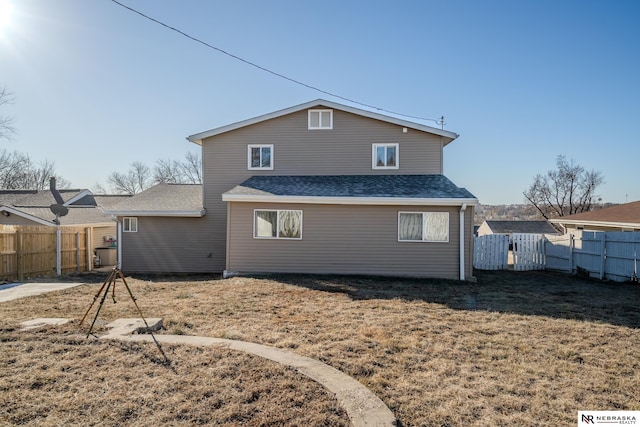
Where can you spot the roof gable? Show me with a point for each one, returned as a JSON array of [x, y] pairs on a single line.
[[320, 103]]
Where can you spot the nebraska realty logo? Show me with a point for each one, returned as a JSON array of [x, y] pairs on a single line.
[[624, 418]]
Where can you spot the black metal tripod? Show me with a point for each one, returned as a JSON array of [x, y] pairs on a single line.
[[110, 282]]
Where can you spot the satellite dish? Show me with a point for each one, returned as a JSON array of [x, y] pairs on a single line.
[[59, 210]]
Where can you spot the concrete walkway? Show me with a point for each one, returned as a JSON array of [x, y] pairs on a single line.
[[364, 408], [19, 290]]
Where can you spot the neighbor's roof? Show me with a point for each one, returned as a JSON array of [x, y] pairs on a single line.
[[533, 227], [627, 214], [75, 216], [39, 198], [181, 200], [352, 189], [450, 136], [34, 205]]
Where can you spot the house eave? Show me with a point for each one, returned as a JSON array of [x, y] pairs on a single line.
[[180, 214], [611, 224], [382, 201], [27, 216], [199, 137]]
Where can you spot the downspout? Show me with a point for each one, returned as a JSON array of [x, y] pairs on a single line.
[[119, 242], [462, 209]]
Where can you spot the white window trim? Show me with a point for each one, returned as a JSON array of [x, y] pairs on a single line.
[[422, 240], [277, 236], [249, 147], [133, 220], [374, 148], [320, 111]]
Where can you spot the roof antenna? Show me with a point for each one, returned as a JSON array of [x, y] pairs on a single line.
[[441, 122]]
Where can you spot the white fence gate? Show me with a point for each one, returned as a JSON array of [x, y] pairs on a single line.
[[528, 251], [491, 252]]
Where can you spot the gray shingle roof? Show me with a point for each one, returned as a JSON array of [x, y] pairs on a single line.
[[169, 199], [535, 227], [36, 203], [388, 186], [75, 216]]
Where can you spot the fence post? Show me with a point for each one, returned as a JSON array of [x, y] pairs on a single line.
[[58, 251], [88, 249], [19, 257], [77, 251], [603, 252], [572, 245]]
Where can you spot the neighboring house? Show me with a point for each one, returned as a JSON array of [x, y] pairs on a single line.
[[507, 228], [625, 217], [84, 209], [316, 188]]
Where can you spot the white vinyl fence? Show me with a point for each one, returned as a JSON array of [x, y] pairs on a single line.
[[491, 252], [604, 255], [528, 251]]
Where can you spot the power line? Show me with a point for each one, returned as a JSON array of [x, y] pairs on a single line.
[[253, 64]]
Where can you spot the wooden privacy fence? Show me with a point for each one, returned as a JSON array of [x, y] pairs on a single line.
[[31, 251]]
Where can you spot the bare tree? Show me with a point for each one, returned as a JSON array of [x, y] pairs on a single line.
[[192, 168], [167, 171], [18, 171], [565, 191], [134, 181], [6, 130], [139, 177], [189, 171], [98, 189]]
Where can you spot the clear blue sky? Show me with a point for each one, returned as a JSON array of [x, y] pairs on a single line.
[[97, 87]]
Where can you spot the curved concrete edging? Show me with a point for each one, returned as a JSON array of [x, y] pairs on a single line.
[[363, 407]]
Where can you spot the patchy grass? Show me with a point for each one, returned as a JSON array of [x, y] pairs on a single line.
[[512, 349]]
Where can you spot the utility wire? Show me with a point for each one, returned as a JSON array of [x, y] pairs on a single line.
[[253, 64]]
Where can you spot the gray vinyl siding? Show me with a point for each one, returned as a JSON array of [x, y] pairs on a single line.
[[163, 244], [346, 239], [344, 150]]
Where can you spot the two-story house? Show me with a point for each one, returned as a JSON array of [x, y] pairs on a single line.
[[315, 188]]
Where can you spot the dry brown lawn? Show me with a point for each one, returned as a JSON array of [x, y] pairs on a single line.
[[512, 349]]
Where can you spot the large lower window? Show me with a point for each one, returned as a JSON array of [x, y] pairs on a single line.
[[130, 224], [385, 156], [423, 226], [277, 224], [260, 157]]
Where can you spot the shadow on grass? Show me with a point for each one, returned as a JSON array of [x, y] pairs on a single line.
[[526, 293]]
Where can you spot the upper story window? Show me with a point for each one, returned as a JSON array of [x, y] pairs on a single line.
[[260, 157], [320, 119], [130, 224], [385, 156]]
